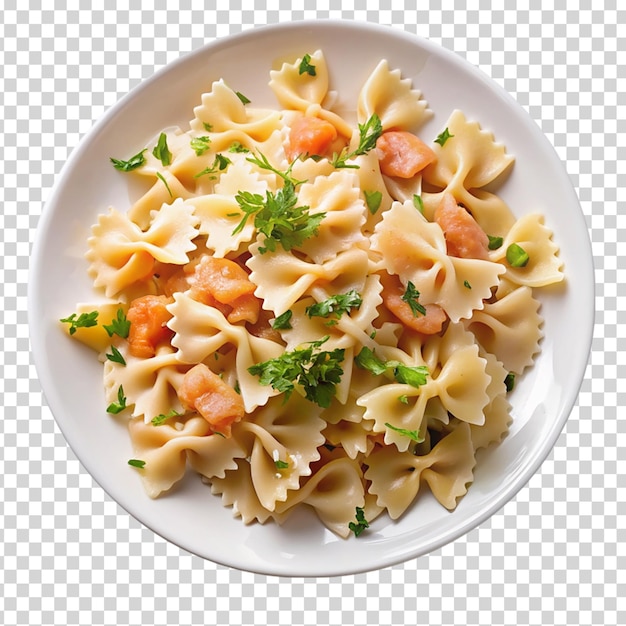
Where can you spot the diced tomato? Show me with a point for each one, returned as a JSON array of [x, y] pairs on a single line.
[[310, 136], [429, 324], [148, 319], [403, 154], [202, 390], [464, 237]]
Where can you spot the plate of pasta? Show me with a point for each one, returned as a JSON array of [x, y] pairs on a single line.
[[303, 302]]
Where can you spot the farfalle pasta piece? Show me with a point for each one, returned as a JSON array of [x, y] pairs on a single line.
[[415, 250], [544, 266], [282, 278], [510, 328], [396, 478], [393, 99], [283, 440], [165, 450], [351, 436], [334, 492], [120, 253], [202, 330], [149, 384], [222, 110]]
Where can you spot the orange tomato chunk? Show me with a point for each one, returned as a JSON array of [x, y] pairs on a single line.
[[148, 319], [224, 284], [464, 237], [202, 390], [310, 136], [429, 324], [403, 154]]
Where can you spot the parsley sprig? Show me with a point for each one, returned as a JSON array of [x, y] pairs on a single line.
[[161, 151], [84, 320], [361, 523], [336, 305], [220, 163], [120, 325], [278, 217], [411, 296], [306, 67], [413, 375], [133, 163], [369, 132], [411, 434], [317, 372]]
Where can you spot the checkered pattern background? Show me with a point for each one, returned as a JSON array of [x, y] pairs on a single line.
[[553, 555]]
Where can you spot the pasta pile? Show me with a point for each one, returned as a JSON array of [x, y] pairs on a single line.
[[397, 352]]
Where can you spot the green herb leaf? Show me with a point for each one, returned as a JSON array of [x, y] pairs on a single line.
[[160, 419], [494, 242], [318, 373], [411, 296], [373, 200], [335, 305], [306, 67], [208, 127], [162, 179], [220, 163], [200, 144], [283, 321], [411, 434], [243, 98], [278, 217], [116, 356], [119, 326], [84, 320], [263, 162], [133, 163], [137, 463], [443, 137], [161, 151], [467, 284], [120, 405], [517, 256], [418, 203], [361, 523], [367, 360], [237, 147], [369, 132], [408, 374], [281, 464]]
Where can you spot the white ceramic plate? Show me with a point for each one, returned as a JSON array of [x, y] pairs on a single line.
[[190, 516]]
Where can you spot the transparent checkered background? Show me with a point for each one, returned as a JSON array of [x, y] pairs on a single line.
[[551, 556]]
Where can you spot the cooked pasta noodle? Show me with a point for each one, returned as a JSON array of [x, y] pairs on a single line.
[[329, 335]]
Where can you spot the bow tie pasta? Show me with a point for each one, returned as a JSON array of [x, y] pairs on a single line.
[[316, 306]]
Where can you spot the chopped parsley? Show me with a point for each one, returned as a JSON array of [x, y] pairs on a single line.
[[220, 163], [494, 242], [159, 420], [278, 217], [237, 147], [200, 144], [132, 164], [413, 375], [418, 203], [361, 523], [335, 305], [369, 132], [283, 321], [466, 284], [162, 179], [137, 463], [262, 161], [208, 127], [84, 320], [411, 434], [306, 67], [243, 98], [161, 151], [119, 326], [517, 256], [373, 200], [117, 407], [317, 372], [116, 356], [411, 296], [443, 137], [281, 464]]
